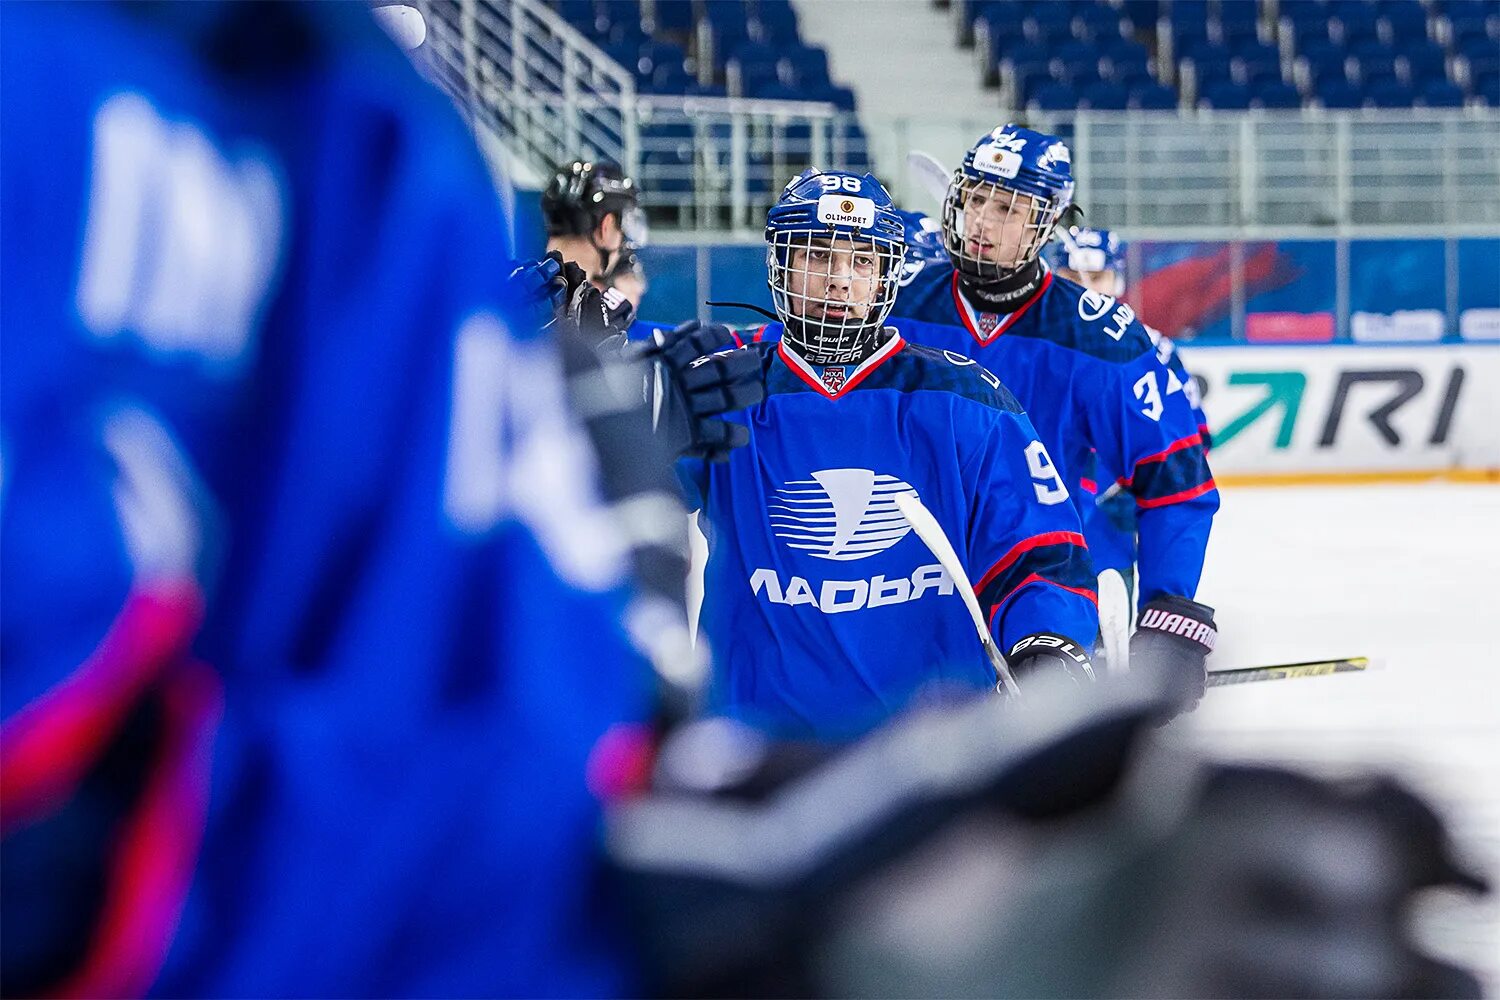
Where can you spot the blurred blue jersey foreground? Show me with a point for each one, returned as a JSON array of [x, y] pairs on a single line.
[[308, 600]]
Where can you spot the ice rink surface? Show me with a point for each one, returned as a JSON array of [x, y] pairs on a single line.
[[1406, 575]]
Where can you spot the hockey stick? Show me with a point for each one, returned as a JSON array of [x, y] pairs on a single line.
[[927, 528], [1287, 671], [930, 174]]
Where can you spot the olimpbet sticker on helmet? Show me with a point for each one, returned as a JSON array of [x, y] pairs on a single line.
[[846, 210]]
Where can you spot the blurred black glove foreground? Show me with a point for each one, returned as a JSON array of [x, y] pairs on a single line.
[[1079, 856]]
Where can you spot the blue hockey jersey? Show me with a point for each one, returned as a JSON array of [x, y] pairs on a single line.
[[259, 373], [1087, 374], [824, 611]]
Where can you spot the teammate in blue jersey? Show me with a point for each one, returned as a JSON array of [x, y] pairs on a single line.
[[1095, 259], [825, 612], [310, 617], [1083, 367]]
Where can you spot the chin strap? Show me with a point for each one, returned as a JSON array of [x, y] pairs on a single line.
[[1004, 294]]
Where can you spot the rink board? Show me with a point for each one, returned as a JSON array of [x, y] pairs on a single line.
[[1332, 413]]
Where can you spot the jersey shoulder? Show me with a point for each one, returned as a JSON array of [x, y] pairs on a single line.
[[1091, 323], [917, 367]]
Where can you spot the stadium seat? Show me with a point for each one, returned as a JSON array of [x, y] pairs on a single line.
[[1371, 68], [775, 21], [1402, 22], [1337, 92], [671, 78], [1390, 93], [1052, 96], [653, 56], [1441, 94], [1225, 95], [1423, 60], [1153, 97], [1487, 88], [1104, 96], [1276, 95], [1354, 23], [1099, 21], [1142, 13], [671, 17], [804, 65]]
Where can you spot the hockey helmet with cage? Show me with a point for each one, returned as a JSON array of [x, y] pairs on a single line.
[[834, 248], [583, 192], [1004, 201], [1090, 251]]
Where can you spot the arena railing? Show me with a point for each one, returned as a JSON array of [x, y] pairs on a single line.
[[713, 165]]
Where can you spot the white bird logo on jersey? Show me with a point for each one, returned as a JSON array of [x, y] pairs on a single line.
[[840, 514]]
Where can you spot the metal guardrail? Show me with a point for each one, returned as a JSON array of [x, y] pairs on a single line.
[[1314, 171], [549, 95], [713, 165]]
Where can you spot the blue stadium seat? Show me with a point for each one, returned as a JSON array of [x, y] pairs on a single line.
[[1153, 97], [1482, 59], [578, 13], [654, 56], [1237, 35], [1338, 93], [1374, 67], [1099, 21], [1308, 34], [775, 21], [1255, 62], [1276, 95], [1126, 60], [1323, 66], [804, 65], [1487, 87], [672, 16], [1075, 53], [1440, 94], [1391, 94], [1225, 95], [671, 79], [1402, 21], [1142, 13], [1104, 96], [1053, 96], [1080, 75], [1048, 25], [1424, 60]]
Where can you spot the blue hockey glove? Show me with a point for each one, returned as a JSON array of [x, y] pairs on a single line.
[[1172, 641], [698, 376]]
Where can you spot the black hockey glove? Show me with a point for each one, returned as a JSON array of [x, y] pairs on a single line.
[[1171, 643], [698, 376], [598, 315], [1045, 652]]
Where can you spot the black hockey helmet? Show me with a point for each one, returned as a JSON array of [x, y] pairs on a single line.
[[583, 192]]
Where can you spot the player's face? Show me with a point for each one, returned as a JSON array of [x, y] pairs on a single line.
[[1104, 282], [833, 280], [998, 224]]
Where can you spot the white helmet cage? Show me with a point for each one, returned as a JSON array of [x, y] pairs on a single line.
[[1010, 227], [833, 292]]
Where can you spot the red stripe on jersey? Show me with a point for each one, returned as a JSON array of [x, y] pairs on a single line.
[[1026, 545], [874, 361], [737, 341], [963, 309], [1196, 491], [1092, 597], [759, 333], [1161, 456], [1088, 485]]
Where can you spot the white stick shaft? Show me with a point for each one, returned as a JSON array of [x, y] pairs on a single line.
[[927, 528], [930, 174]]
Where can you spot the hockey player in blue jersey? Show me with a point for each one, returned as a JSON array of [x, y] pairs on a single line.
[[825, 612], [1095, 259], [1085, 370]]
